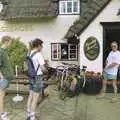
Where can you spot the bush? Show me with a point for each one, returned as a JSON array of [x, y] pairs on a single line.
[[17, 53]]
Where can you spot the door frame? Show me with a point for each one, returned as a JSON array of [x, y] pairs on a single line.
[[108, 25]]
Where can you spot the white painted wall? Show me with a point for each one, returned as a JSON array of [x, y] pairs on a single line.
[[109, 14], [48, 30]]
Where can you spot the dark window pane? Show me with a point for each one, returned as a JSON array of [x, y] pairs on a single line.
[[64, 51], [63, 7], [72, 56], [72, 46], [69, 7], [54, 51], [75, 6]]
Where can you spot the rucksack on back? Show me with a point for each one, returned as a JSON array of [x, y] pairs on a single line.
[[31, 69]]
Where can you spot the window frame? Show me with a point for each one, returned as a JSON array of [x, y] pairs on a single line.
[[69, 13], [59, 57]]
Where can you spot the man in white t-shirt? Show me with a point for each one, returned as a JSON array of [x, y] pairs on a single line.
[[111, 68], [35, 83]]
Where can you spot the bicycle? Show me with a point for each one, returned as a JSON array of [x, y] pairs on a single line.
[[67, 77]]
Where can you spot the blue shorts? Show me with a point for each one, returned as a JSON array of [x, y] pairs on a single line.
[[4, 84], [109, 76], [36, 84]]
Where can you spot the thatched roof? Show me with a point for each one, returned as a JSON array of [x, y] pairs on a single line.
[[18, 9], [94, 7]]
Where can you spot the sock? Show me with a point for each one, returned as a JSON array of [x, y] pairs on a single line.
[[28, 112], [32, 116], [4, 116]]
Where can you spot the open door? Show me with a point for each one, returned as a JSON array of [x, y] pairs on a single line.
[[111, 32]]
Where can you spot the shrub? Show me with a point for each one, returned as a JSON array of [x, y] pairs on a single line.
[[17, 53]]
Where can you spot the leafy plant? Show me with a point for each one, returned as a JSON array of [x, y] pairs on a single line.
[[17, 53]]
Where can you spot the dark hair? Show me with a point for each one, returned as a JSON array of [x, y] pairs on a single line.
[[37, 42], [6, 39]]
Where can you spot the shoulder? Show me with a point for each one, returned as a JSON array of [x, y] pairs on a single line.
[[2, 51], [38, 56], [118, 53], [110, 53]]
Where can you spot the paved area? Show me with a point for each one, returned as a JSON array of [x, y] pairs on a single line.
[[82, 107]]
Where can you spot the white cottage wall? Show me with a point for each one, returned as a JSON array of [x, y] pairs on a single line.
[[109, 14], [49, 31]]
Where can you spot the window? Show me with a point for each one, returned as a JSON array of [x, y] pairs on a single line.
[[1, 6], [63, 51], [69, 6]]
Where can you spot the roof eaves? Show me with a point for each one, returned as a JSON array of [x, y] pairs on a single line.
[[91, 13]]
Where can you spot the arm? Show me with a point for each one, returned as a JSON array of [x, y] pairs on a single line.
[[115, 62], [112, 65], [1, 75], [43, 68], [106, 64], [42, 63]]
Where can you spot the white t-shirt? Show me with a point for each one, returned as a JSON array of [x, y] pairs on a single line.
[[38, 60], [113, 57]]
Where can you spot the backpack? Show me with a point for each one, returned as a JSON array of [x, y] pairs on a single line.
[[31, 69]]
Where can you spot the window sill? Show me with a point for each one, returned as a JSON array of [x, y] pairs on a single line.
[[70, 14], [64, 60]]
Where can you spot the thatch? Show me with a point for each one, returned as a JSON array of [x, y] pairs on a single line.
[[20, 9], [94, 7]]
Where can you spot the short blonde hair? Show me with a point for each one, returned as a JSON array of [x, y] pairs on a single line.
[[115, 43], [6, 39]]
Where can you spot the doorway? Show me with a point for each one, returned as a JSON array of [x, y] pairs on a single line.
[[111, 32]]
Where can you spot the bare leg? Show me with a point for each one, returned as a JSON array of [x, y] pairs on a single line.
[[34, 101], [104, 86], [2, 96], [3, 114], [34, 105], [115, 87], [30, 98], [46, 92]]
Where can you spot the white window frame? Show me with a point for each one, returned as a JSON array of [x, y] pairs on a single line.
[[65, 2], [58, 58]]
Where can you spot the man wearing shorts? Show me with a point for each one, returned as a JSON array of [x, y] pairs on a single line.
[[6, 73], [111, 68], [36, 82]]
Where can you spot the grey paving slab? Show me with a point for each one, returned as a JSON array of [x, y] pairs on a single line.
[[82, 107]]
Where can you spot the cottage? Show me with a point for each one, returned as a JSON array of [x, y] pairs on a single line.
[[45, 19], [77, 31], [97, 28]]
